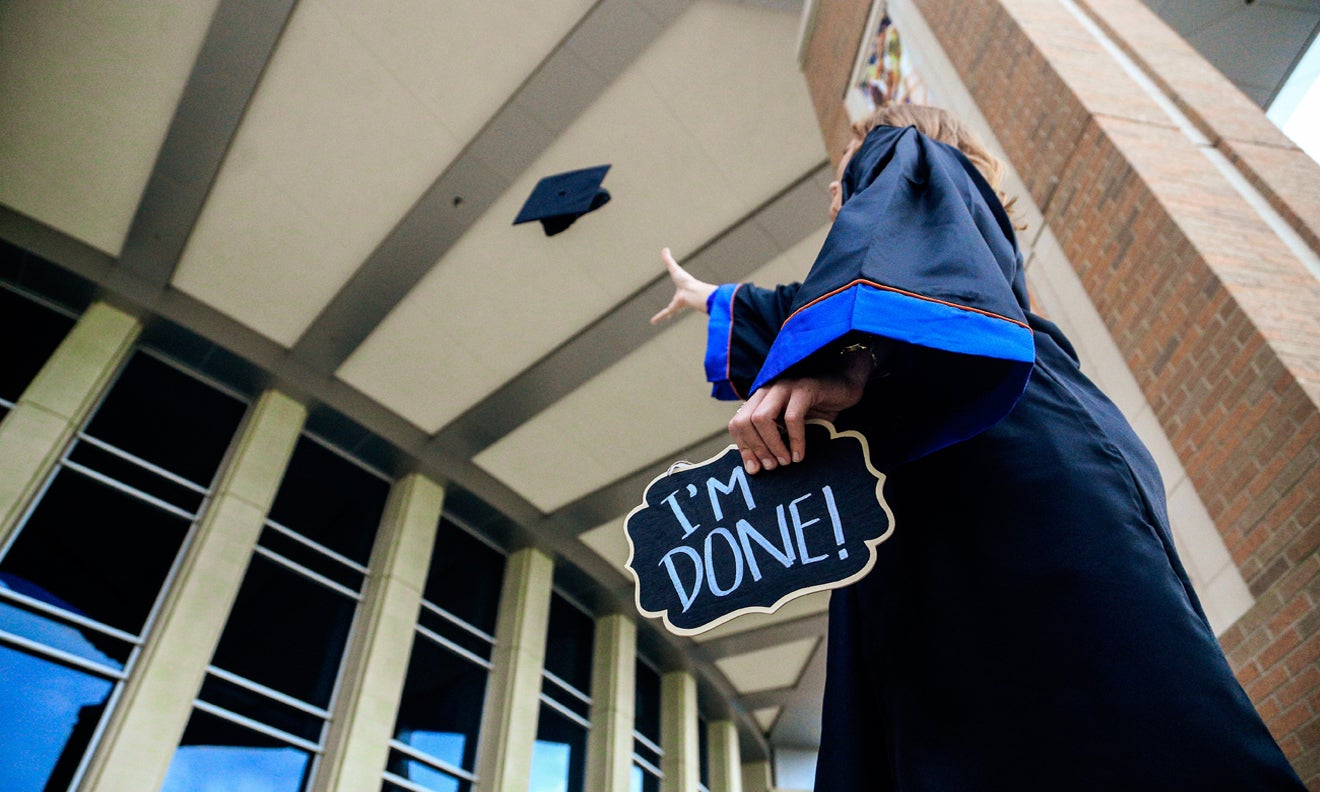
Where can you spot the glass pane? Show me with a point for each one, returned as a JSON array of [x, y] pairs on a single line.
[[262, 709], [31, 332], [646, 703], [313, 559], [330, 500], [286, 632], [465, 577], [566, 698], [136, 476], [446, 628], [218, 755], [78, 641], [703, 752], [559, 757], [158, 413], [645, 753], [423, 775], [568, 644], [49, 713], [95, 551], [641, 781], [440, 712]]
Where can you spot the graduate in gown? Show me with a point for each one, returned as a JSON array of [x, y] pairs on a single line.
[[1029, 625]]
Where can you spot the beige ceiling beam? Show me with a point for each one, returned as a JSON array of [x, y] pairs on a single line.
[[239, 43], [474, 495], [595, 52], [765, 637], [767, 231], [799, 719]]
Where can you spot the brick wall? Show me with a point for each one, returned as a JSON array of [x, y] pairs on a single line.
[[1217, 317], [831, 51]]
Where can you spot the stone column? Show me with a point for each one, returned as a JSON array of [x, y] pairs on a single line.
[[613, 672], [157, 699], [681, 763], [725, 759], [54, 407], [508, 726], [756, 777], [377, 663]]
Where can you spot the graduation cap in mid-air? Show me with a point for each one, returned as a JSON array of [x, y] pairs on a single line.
[[557, 201]]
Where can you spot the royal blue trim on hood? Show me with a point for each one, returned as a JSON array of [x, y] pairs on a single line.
[[866, 308]]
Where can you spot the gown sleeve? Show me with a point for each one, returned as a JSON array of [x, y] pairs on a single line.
[[744, 320], [921, 255]]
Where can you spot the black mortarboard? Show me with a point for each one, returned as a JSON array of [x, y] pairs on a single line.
[[559, 200]]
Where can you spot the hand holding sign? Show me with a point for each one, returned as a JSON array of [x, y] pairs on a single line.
[[710, 542]]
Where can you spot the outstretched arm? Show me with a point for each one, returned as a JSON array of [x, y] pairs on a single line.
[[689, 293]]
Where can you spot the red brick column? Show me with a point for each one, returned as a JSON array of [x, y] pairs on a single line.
[[1218, 318], [827, 64]]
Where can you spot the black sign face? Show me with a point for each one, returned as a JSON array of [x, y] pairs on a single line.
[[710, 542]]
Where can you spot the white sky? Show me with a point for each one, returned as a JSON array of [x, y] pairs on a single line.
[[1303, 126], [1296, 110]]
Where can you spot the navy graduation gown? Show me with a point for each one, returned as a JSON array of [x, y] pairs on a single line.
[[1029, 625]]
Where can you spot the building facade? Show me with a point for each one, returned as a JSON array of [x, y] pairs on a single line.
[[1172, 231], [203, 591], [312, 472]]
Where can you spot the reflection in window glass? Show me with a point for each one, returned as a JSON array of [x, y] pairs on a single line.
[[83, 642], [440, 713], [641, 781], [435, 735], [261, 708], [83, 573], [559, 758], [96, 551], [561, 731], [217, 754], [267, 698], [49, 712], [405, 768]]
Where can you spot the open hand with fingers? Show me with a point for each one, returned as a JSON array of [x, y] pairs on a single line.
[[689, 293]]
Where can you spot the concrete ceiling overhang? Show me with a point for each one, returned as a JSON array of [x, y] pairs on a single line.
[[1255, 43], [326, 189]]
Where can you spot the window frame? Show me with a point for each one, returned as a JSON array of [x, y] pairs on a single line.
[[117, 677]]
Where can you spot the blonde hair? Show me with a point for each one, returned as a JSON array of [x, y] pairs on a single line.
[[938, 124]]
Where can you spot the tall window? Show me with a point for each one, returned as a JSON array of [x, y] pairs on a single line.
[[560, 757], [259, 721], [703, 755], [647, 753], [81, 578], [30, 329], [435, 736]]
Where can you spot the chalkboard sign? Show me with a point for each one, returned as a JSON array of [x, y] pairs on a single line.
[[710, 542]]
